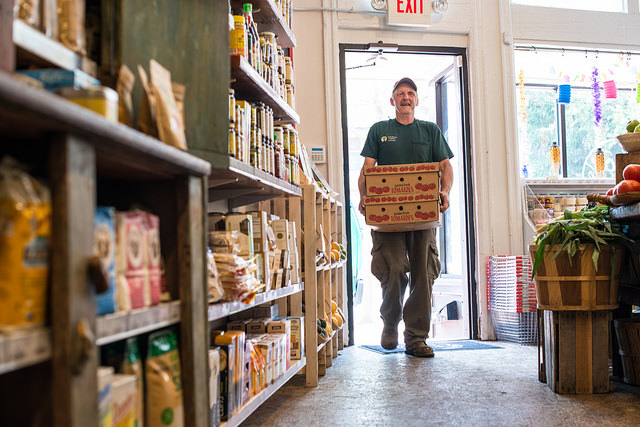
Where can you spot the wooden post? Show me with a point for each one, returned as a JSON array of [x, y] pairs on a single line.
[[194, 340], [310, 285], [72, 176], [295, 214], [7, 49]]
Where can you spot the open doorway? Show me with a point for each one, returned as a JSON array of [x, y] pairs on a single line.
[[368, 73]]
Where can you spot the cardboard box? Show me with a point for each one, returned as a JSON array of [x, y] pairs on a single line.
[[257, 326], [260, 231], [243, 223], [216, 221], [105, 408], [281, 231], [403, 216], [123, 398], [265, 311], [282, 326], [53, 79], [296, 345], [294, 259], [214, 386], [266, 349], [238, 325], [406, 180], [104, 245], [236, 339], [131, 269]]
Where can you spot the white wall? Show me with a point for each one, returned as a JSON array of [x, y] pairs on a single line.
[[485, 28]]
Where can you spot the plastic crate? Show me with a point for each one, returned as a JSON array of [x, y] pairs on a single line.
[[521, 328], [509, 284]]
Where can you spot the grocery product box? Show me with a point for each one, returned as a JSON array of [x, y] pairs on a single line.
[[151, 224], [243, 223], [294, 259], [282, 326], [104, 245], [260, 231], [235, 339], [123, 400], [393, 181], [238, 325], [54, 79], [131, 271], [215, 221], [297, 337], [227, 374], [281, 231], [265, 311], [214, 386], [257, 326], [105, 408], [403, 216]]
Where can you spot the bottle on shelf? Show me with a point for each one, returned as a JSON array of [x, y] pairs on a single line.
[[554, 158], [599, 159]]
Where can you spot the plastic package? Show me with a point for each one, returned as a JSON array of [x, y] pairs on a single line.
[[71, 24]]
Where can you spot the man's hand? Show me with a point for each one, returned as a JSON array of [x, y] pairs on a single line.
[[444, 202], [361, 206]]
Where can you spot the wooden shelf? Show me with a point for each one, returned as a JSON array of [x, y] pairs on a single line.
[[243, 184], [327, 341], [31, 113], [35, 48], [123, 325], [250, 86], [19, 349], [222, 310], [261, 397], [269, 18]]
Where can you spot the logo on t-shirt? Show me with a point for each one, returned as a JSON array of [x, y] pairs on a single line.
[[391, 138]]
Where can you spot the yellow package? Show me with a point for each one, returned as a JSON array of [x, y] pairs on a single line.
[[25, 228], [163, 386]]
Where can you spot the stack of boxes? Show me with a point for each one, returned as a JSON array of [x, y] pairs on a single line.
[[402, 197]]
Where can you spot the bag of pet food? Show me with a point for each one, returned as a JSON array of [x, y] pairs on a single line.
[[163, 381]]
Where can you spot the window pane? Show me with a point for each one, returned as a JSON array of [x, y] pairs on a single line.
[[597, 5], [583, 137], [539, 131]]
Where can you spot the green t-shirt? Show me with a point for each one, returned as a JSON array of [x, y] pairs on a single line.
[[392, 143]]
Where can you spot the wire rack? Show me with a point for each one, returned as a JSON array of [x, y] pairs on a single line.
[[512, 298]]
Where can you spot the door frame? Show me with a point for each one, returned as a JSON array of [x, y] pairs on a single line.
[[468, 193]]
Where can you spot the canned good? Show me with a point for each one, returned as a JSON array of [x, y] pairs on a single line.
[[99, 99]]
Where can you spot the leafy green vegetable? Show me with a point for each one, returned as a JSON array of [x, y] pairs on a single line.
[[573, 229]]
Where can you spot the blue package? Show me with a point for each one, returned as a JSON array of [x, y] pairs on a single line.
[[54, 79], [104, 245]]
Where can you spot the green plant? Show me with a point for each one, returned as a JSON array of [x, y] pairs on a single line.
[[573, 229]]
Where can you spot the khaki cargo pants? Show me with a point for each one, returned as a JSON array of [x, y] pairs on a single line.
[[393, 256]]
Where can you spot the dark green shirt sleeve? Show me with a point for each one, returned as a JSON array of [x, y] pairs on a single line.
[[441, 150], [370, 148]]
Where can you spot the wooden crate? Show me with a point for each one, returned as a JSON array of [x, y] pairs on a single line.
[[628, 333], [576, 351]]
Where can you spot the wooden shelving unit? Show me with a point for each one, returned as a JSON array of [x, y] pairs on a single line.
[[269, 18], [225, 309], [23, 348], [262, 397], [249, 85], [84, 159]]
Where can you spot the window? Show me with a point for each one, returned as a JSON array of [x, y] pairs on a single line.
[[595, 5], [543, 120]]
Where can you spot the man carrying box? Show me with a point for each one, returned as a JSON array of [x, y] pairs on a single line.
[[399, 141]]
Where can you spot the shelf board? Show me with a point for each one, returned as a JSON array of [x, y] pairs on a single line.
[[28, 113], [35, 48], [269, 18], [321, 345], [250, 86], [570, 184], [243, 184], [125, 324], [22, 348], [222, 310], [265, 394]]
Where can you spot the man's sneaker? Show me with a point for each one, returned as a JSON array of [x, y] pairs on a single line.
[[419, 349], [389, 338]]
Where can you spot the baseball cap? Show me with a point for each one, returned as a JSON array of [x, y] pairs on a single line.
[[405, 81]]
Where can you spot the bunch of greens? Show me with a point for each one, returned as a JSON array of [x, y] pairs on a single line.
[[573, 229]]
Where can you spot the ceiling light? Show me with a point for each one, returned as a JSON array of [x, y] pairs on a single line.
[[440, 6], [379, 4]]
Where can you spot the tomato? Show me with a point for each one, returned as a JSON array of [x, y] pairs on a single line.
[[627, 186], [632, 172], [610, 192]]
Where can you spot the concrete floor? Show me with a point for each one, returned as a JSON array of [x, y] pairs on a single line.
[[476, 387]]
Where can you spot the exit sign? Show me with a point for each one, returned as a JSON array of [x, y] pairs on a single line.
[[415, 13]]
